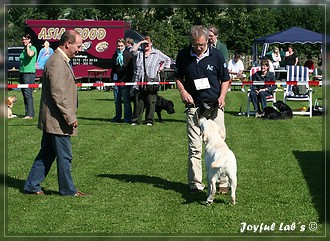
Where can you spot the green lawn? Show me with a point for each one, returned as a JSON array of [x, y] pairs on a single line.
[[137, 176]]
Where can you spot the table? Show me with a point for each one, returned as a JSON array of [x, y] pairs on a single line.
[[280, 70], [94, 73], [12, 73], [280, 74], [166, 75]]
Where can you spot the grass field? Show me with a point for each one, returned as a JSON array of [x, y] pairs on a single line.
[[137, 176]]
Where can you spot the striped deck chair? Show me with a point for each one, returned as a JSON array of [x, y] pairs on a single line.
[[299, 93], [270, 98]]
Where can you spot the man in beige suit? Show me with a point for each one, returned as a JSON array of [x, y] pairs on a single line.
[[57, 118]]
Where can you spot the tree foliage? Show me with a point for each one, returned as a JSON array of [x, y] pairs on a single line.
[[169, 27]]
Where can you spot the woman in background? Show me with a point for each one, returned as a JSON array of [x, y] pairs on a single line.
[[276, 57], [291, 57], [122, 71]]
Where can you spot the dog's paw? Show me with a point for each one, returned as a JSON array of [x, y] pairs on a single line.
[[208, 203], [260, 115]]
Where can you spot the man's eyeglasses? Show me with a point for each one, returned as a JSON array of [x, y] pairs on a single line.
[[199, 45]]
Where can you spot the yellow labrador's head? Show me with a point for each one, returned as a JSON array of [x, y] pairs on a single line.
[[11, 100], [210, 129]]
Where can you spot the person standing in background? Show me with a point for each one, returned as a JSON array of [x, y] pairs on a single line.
[[129, 43], [215, 42], [276, 57], [57, 118], [122, 71], [291, 57], [149, 62], [27, 74], [44, 55]]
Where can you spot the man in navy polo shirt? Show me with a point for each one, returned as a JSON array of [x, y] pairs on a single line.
[[201, 75]]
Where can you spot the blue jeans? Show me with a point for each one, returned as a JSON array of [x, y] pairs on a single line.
[[122, 94], [52, 146], [259, 98], [27, 93]]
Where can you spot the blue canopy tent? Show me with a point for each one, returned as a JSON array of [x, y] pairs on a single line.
[[293, 35]]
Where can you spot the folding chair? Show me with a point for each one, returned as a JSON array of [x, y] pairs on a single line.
[[317, 74], [270, 98], [298, 74]]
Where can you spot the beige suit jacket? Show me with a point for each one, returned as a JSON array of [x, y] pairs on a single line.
[[59, 97]]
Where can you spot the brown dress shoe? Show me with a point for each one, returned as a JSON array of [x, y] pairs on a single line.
[[35, 193], [223, 190], [81, 194]]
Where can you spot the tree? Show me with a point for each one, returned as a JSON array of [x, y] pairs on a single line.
[[18, 15], [169, 27]]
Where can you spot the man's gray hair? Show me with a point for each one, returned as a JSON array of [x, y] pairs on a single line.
[[198, 31]]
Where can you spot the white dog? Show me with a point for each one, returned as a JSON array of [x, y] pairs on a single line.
[[218, 159]]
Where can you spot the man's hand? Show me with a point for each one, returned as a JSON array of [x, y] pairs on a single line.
[[74, 124], [186, 97]]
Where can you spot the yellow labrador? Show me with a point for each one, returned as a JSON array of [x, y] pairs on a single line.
[[10, 102], [218, 159]]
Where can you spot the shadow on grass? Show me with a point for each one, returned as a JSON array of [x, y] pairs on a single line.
[[161, 183], [12, 182], [95, 119], [312, 164], [109, 120], [19, 184], [112, 100]]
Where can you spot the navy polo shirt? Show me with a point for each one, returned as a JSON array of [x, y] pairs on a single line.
[[213, 67]]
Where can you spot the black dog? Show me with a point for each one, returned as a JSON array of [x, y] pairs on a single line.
[[284, 111], [163, 104]]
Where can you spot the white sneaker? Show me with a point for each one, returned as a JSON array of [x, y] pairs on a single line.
[[149, 124], [229, 89], [243, 90], [133, 124]]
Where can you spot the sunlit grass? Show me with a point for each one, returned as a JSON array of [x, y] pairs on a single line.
[[137, 175]]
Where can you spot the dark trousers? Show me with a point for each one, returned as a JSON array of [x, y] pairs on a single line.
[[27, 93], [259, 98], [143, 99], [123, 94], [52, 146]]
